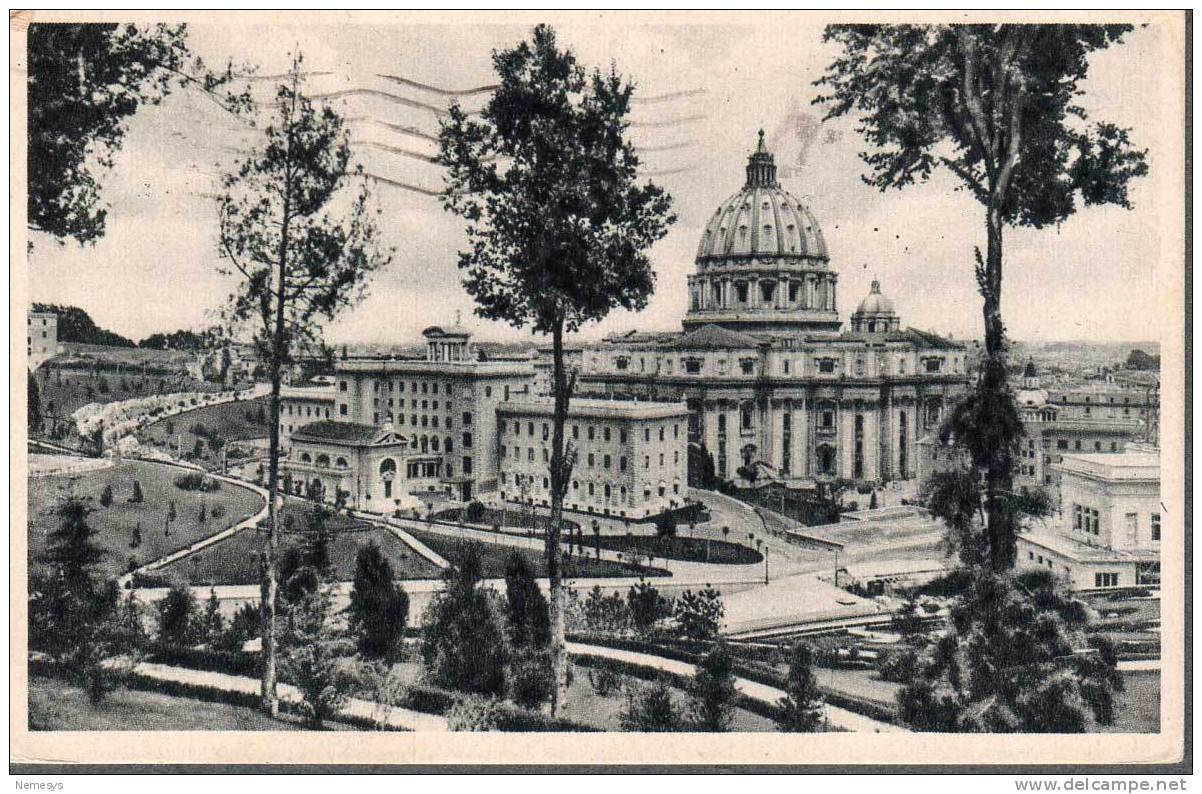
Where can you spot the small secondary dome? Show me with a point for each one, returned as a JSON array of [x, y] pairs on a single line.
[[875, 313], [875, 302]]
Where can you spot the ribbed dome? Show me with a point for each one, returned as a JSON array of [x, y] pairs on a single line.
[[762, 219], [875, 302]]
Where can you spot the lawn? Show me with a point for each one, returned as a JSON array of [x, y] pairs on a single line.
[[57, 706], [115, 524], [495, 556], [680, 548], [232, 421], [234, 561]]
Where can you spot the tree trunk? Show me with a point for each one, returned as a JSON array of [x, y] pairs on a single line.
[[994, 391], [560, 473]]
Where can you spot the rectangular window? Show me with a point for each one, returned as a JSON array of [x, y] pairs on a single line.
[[605, 461], [467, 465], [1131, 523], [1062, 443], [933, 364], [692, 366], [467, 419], [1156, 527], [342, 409], [826, 365], [342, 385], [467, 440]]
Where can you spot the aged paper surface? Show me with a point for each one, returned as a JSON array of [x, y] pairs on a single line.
[[153, 272]]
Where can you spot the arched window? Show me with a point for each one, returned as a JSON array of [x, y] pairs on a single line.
[[306, 457], [341, 463], [387, 475], [448, 445], [323, 460], [434, 444]]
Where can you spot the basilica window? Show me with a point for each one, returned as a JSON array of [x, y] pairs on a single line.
[[741, 291], [692, 366], [794, 287], [746, 416], [621, 363], [826, 365], [768, 288], [747, 366], [933, 364]]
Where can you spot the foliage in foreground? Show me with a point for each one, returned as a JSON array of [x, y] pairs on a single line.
[[1016, 659]]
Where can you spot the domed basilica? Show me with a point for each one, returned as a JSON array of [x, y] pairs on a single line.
[[772, 380]]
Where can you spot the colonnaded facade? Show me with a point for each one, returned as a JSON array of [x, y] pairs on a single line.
[[771, 378]]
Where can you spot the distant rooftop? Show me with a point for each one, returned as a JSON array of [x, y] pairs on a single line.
[[1138, 465], [598, 408], [352, 433]]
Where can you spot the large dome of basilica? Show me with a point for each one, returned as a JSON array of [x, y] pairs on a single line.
[[762, 264]]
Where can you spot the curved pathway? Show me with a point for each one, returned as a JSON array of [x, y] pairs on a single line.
[[838, 717], [392, 716]]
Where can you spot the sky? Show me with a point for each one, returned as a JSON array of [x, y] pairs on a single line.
[[703, 91]]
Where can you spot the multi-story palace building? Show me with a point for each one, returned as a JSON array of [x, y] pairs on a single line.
[[444, 404], [631, 458], [769, 378]]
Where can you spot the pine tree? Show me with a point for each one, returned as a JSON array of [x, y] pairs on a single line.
[[801, 708], [302, 255], [213, 622], [527, 615], [650, 709], [998, 107], [712, 691], [379, 607], [311, 657], [463, 645], [558, 226], [106, 496], [136, 497], [33, 405], [177, 616]]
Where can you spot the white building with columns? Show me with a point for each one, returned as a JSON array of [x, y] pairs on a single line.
[[770, 377]]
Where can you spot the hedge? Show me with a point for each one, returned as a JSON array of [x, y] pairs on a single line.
[[418, 697], [232, 662]]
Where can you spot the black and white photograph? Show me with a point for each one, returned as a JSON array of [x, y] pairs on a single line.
[[398, 385]]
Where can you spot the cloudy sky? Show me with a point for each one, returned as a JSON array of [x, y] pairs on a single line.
[[706, 87]]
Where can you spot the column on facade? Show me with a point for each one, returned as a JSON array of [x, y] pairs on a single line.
[[801, 433], [709, 428], [776, 411], [847, 448], [872, 418]]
